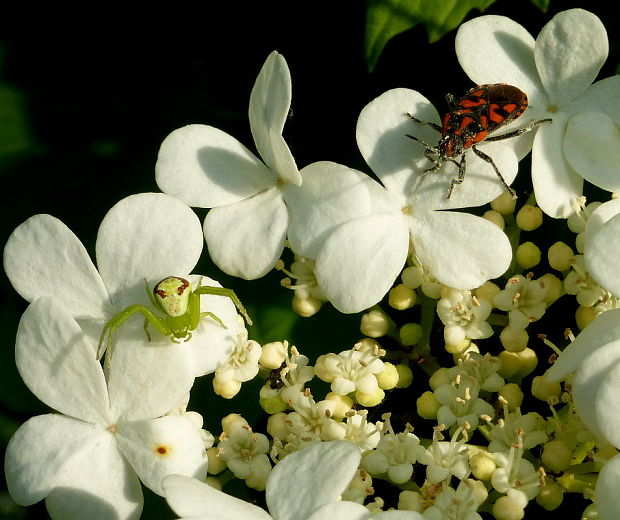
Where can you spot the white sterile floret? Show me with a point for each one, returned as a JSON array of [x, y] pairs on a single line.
[[444, 459], [464, 316], [394, 455], [139, 239], [523, 299], [459, 504], [556, 72], [352, 370], [241, 366], [460, 403], [358, 260], [308, 485], [245, 454], [117, 429], [482, 368]]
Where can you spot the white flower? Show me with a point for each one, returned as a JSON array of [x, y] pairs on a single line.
[[482, 368], [522, 298], [358, 261], [602, 245], [556, 71], [444, 459], [205, 167], [89, 458], [528, 429], [460, 403], [464, 316], [395, 454], [241, 365], [352, 370], [515, 475], [360, 431], [306, 485], [459, 504], [594, 356], [314, 418], [145, 236]]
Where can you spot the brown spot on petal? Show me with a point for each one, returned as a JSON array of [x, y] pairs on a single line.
[[162, 450]]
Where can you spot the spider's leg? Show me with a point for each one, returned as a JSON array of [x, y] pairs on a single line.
[[229, 293], [488, 159], [122, 317], [213, 317], [518, 131]]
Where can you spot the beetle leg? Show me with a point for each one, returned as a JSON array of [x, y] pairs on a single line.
[[518, 131], [434, 126], [488, 159], [460, 178]]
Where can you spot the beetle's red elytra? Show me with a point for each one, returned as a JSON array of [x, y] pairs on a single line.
[[471, 120]]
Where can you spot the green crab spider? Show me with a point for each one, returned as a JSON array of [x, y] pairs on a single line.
[[178, 307]]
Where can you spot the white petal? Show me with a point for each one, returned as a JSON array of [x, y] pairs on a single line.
[[601, 254], [190, 498], [309, 478], [495, 49], [149, 235], [602, 96], [381, 133], [606, 492], [604, 329], [330, 195], [246, 239], [460, 250], [98, 484], [592, 147], [343, 509], [156, 448], [206, 168], [44, 258], [38, 451], [270, 101], [603, 214], [569, 52], [148, 379], [606, 403], [57, 362], [211, 344], [556, 184], [481, 183], [359, 262]]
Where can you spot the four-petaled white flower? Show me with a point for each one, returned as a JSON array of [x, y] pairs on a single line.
[[358, 260], [146, 236], [306, 485], [87, 461], [250, 199], [556, 72]]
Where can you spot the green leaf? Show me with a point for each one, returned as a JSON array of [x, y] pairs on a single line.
[[387, 18], [543, 5]]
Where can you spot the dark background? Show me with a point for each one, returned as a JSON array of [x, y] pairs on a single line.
[[86, 97]]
